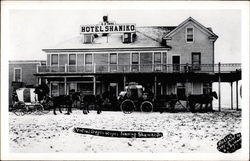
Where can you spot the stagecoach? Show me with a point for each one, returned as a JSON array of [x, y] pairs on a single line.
[[135, 98]]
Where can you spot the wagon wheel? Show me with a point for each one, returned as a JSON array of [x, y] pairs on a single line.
[[197, 106], [146, 106], [127, 106], [47, 107], [19, 109], [39, 109]]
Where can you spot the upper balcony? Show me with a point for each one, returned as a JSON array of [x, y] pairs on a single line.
[[140, 68]]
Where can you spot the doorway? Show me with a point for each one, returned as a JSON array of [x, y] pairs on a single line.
[[113, 88], [176, 63]]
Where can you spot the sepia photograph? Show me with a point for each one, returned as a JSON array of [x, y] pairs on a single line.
[[125, 80]]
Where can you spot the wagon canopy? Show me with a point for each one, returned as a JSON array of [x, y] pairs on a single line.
[[26, 94]]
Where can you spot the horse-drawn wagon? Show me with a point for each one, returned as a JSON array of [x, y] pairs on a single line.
[[135, 98], [26, 102]]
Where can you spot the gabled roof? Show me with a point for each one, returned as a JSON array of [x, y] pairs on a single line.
[[207, 30]]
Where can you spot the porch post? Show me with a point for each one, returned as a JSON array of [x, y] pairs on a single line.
[[219, 89], [39, 80], [155, 89], [50, 89], [65, 86], [231, 83], [237, 105], [94, 85], [124, 82], [101, 86]]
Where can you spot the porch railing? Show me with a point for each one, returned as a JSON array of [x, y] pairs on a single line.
[[141, 68]]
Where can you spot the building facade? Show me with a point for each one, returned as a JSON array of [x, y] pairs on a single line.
[[106, 57]]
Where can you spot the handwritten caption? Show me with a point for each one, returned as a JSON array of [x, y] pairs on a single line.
[[122, 134], [229, 143]]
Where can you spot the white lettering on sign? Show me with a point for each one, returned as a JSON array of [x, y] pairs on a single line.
[[107, 28]]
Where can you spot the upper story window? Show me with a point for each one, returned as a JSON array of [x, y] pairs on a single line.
[[88, 59], [113, 58], [72, 59], [54, 59], [164, 58], [88, 38], [190, 34], [157, 58], [135, 58], [18, 74]]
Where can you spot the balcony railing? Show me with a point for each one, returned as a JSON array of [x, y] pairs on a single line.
[[142, 68]]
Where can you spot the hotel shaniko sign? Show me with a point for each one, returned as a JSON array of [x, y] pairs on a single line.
[[88, 29]]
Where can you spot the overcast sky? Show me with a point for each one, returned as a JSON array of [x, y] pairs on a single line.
[[33, 30]]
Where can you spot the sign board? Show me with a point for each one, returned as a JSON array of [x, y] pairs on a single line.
[[89, 29], [120, 134]]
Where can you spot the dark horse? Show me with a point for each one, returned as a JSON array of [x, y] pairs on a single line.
[[86, 101], [62, 100], [201, 100]]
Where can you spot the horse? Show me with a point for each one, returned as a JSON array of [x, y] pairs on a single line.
[[201, 99], [62, 100], [88, 100]]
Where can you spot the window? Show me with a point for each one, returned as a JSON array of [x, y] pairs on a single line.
[[113, 58], [135, 62], [72, 59], [157, 61], [54, 59], [190, 34], [157, 58], [88, 59], [17, 74], [164, 58], [135, 58], [113, 62], [196, 61]]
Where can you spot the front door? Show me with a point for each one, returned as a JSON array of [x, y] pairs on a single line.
[[196, 61], [113, 88], [176, 63]]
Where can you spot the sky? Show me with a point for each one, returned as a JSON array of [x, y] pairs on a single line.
[[33, 30]]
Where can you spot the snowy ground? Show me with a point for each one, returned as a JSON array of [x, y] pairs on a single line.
[[182, 132]]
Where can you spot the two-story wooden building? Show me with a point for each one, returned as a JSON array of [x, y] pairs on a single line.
[[165, 59]]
